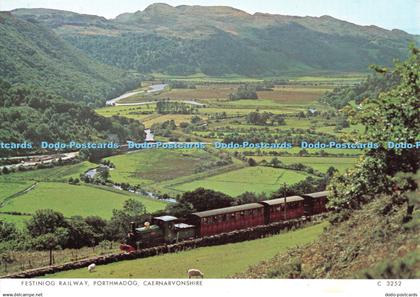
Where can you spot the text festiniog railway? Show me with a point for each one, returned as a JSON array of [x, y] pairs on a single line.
[[169, 229]]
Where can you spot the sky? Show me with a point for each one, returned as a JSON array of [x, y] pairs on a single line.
[[389, 14]]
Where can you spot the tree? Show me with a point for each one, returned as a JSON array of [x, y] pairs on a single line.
[[133, 211], [275, 162], [394, 115], [202, 199], [179, 209], [6, 258], [98, 225], [252, 162], [45, 221], [51, 241], [249, 197], [8, 231], [80, 233]]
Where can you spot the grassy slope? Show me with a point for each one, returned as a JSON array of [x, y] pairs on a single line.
[[216, 262], [369, 242], [254, 179], [75, 200]]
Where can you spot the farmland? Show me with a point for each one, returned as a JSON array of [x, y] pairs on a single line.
[[251, 179], [220, 119], [74, 200], [174, 172], [144, 175], [156, 165], [215, 262]]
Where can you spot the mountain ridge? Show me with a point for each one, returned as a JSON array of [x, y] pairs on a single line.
[[222, 40]]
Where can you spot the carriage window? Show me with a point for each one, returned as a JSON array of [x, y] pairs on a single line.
[[224, 217]]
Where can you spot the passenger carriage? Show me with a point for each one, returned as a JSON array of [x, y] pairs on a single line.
[[282, 209], [227, 219], [315, 203]]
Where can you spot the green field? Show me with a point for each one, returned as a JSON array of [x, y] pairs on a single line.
[[74, 200], [253, 179], [9, 188], [58, 173], [215, 262], [154, 165], [19, 221]]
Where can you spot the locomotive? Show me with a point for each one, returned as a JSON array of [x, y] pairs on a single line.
[[169, 229]]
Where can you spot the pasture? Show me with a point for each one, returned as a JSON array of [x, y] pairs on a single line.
[[18, 220], [155, 165], [215, 262], [72, 200], [252, 179], [8, 189]]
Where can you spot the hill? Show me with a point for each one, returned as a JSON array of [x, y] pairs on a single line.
[[31, 115], [32, 55], [218, 40], [376, 242]]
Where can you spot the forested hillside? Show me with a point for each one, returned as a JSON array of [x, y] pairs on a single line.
[[31, 115], [223, 40], [34, 56], [370, 88]]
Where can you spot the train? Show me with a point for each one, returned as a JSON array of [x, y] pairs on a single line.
[[168, 229]]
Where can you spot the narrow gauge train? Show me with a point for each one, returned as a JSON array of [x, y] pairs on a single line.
[[169, 229]]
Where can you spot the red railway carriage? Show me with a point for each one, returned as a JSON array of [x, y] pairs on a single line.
[[315, 203], [227, 219], [279, 210]]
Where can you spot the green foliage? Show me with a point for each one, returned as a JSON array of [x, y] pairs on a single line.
[[171, 107], [265, 118], [80, 233], [202, 199], [45, 221], [32, 115], [308, 185], [35, 56], [51, 240], [8, 231], [394, 115], [225, 42], [133, 211], [404, 268], [370, 88], [176, 84], [244, 92]]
